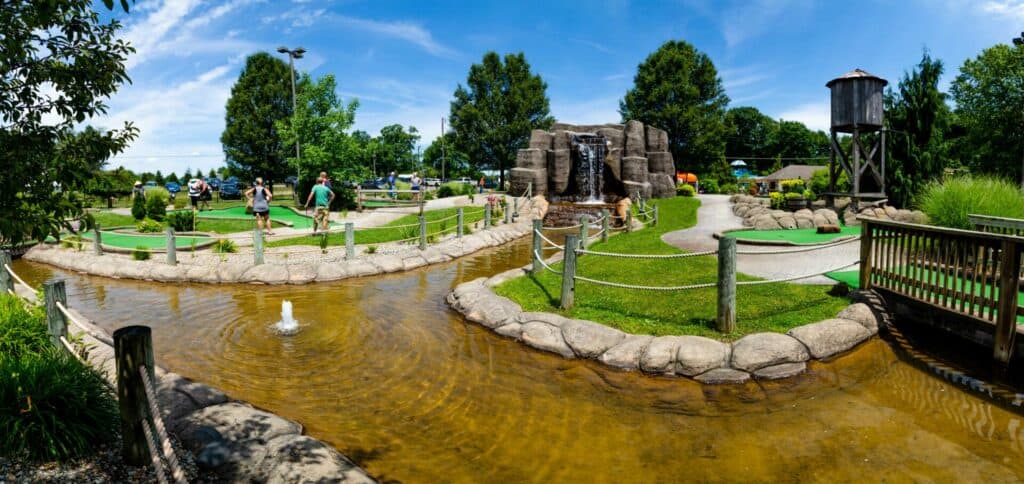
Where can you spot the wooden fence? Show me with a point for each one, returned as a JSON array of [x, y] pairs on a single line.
[[973, 276]]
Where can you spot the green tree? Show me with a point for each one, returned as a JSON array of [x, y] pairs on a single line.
[[260, 98], [60, 60], [173, 177], [456, 163], [107, 184], [989, 93], [492, 115], [397, 148], [919, 118], [793, 140], [677, 89], [158, 178], [750, 136], [186, 177]]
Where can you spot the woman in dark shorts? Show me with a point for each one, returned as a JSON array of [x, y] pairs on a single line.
[[260, 198]]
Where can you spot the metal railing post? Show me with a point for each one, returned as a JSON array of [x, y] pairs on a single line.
[[97, 239], [487, 216], [459, 221], [423, 233], [350, 240], [57, 326], [726, 322], [133, 347], [538, 245], [605, 223], [568, 272], [172, 254], [257, 245], [584, 230], [6, 281]]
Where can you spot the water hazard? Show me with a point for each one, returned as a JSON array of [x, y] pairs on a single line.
[[385, 372]]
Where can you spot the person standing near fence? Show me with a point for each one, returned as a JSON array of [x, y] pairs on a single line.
[[416, 182], [260, 198], [481, 184], [138, 190], [324, 196], [392, 180]]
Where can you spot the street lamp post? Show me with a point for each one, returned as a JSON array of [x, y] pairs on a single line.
[[292, 55]]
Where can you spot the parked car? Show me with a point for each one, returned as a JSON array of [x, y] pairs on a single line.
[[230, 191], [290, 181], [432, 182], [172, 187], [150, 184], [214, 184], [466, 180], [371, 184]]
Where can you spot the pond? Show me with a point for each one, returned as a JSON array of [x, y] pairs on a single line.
[[384, 371]]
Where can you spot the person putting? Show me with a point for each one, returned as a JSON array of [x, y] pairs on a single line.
[[260, 198], [324, 196]]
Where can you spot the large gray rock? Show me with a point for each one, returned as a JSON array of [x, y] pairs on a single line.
[[546, 318], [493, 311], [266, 274], [235, 422], [626, 354], [532, 159], [661, 162], [758, 350], [546, 337], [804, 222], [540, 139], [787, 222], [777, 372], [613, 163], [697, 355], [830, 337], [766, 222], [721, 376], [510, 330], [302, 459], [589, 340], [616, 137], [635, 143], [178, 396], [559, 166], [660, 355], [862, 314], [657, 139], [561, 140], [632, 188], [521, 178], [634, 169], [662, 185]]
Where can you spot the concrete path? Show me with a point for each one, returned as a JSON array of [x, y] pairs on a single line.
[[715, 215]]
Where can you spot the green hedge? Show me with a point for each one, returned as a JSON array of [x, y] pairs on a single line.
[[948, 202]]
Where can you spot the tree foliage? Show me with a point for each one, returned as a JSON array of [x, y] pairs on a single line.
[[918, 117], [58, 63], [396, 148], [989, 93], [261, 97], [677, 89], [321, 123], [493, 114], [456, 163]]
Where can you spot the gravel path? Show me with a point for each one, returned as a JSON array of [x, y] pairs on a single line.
[[715, 215]]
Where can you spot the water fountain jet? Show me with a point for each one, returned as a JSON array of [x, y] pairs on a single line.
[[287, 326]]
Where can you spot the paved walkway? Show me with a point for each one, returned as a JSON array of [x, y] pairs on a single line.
[[715, 215]]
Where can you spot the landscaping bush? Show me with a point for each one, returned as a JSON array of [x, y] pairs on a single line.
[[794, 196], [948, 202], [685, 190], [730, 188], [156, 203], [371, 249], [810, 196], [819, 182], [139, 208], [778, 200], [792, 186], [140, 253], [22, 327], [710, 186], [181, 221], [52, 406], [179, 202], [225, 246], [149, 226]]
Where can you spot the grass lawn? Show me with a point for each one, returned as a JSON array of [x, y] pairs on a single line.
[[157, 241], [795, 236], [217, 226], [438, 221], [276, 213], [769, 307]]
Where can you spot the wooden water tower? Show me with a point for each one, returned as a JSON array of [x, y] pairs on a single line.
[[857, 109]]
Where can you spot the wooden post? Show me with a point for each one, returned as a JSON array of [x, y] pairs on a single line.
[[538, 246], [459, 221], [359, 199], [257, 245], [97, 240], [866, 240], [172, 255], [508, 213], [350, 240], [487, 216], [56, 324], [6, 281], [629, 220], [605, 224], [569, 272], [726, 321], [423, 233], [584, 230], [1006, 322], [133, 347], [515, 206], [654, 222]]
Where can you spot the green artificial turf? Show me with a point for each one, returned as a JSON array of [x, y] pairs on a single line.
[[439, 222], [276, 213], [794, 236], [158, 241], [768, 307], [215, 225]]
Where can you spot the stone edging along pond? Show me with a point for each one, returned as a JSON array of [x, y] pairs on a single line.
[[766, 356]]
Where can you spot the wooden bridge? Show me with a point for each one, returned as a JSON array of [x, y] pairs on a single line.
[[961, 281]]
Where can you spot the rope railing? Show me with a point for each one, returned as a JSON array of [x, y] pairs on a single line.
[[154, 457], [71, 317], [646, 256], [158, 422], [644, 288], [795, 278], [549, 241], [18, 279], [540, 259], [799, 249]]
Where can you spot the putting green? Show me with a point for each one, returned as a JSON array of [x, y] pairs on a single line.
[[794, 236], [129, 241], [276, 213]]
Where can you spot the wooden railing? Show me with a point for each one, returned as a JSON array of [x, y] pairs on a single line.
[[973, 274], [997, 225]]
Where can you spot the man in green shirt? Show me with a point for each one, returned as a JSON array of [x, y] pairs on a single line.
[[324, 196]]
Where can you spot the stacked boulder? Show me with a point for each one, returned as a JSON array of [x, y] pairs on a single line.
[[886, 212], [637, 160], [757, 213]]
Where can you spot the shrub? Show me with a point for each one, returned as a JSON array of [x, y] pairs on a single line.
[[710, 186], [730, 188], [22, 327], [792, 186], [777, 200], [139, 208], [156, 203], [52, 406], [948, 202], [685, 190], [148, 226], [225, 246], [179, 203], [809, 195], [181, 221], [794, 196], [454, 189], [371, 249], [819, 182], [140, 253]]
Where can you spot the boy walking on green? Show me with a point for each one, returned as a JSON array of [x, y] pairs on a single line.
[[324, 196]]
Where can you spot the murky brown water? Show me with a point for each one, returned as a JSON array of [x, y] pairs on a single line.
[[385, 372]]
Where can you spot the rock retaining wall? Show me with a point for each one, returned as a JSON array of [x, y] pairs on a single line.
[[764, 356], [757, 213]]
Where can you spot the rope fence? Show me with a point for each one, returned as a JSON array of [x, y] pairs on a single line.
[[161, 431], [17, 279], [545, 264]]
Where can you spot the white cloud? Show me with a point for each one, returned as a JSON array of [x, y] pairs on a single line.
[[751, 19], [815, 116], [1010, 8], [593, 45], [150, 32], [402, 30], [168, 30]]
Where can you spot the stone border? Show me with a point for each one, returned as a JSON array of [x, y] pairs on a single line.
[[210, 270], [785, 243], [763, 356], [156, 250]]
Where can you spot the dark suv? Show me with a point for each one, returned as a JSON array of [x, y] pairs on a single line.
[[230, 191]]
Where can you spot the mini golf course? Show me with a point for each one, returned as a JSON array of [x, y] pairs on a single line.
[[277, 213], [155, 241], [792, 236]]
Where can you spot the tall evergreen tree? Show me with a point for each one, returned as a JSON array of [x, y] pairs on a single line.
[[492, 116], [677, 89], [261, 97], [750, 136]]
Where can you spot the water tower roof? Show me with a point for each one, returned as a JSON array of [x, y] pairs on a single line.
[[856, 74]]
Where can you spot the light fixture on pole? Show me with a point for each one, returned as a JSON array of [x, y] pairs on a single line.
[[292, 55]]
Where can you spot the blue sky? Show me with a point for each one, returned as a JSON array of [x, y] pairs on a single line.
[[403, 59]]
